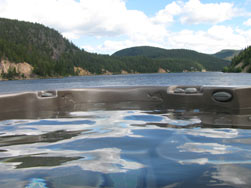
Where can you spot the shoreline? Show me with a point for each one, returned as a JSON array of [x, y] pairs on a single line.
[[57, 77], [44, 78]]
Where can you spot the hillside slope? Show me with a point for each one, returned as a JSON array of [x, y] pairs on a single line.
[[48, 52], [241, 62], [44, 52], [227, 54], [207, 61]]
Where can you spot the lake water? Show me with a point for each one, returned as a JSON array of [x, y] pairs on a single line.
[[127, 148], [196, 78]]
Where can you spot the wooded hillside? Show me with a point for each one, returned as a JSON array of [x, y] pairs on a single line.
[[241, 62], [191, 57], [51, 55]]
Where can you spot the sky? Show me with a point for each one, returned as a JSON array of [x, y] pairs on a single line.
[[106, 26]]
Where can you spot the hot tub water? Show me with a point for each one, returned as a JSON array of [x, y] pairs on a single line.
[[134, 148]]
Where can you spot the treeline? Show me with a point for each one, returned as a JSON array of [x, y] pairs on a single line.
[[209, 62], [52, 55], [241, 62], [140, 64], [227, 54]]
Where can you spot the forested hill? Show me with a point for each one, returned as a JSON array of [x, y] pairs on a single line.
[[46, 53], [241, 62], [227, 54], [40, 46], [45, 49], [207, 61]]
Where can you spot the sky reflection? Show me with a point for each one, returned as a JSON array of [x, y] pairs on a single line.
[[121, 146]]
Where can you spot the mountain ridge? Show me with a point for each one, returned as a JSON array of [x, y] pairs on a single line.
[[227, 54], [51, 55], [209, 62]]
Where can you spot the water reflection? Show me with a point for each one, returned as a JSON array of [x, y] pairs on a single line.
[[212, 148], [107, 160], [232, 175], [124, 149], [37, 161], [54, 136]]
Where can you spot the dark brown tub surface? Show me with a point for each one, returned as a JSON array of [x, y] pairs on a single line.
[[222, 105]]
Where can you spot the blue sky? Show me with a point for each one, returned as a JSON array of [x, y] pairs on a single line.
[[105, 26], [151, 7]]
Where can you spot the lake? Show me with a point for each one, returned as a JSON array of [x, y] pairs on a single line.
[[194, 78], [124, 148]]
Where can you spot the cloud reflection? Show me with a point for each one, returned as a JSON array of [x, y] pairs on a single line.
[[106, 160], [213, 133], [232, 175], [212, 148], [105, 142]]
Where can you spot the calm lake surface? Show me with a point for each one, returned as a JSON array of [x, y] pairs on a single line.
[[126, 148], [196, 78]]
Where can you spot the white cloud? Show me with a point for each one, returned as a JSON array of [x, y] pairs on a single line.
[[195, 12], [111, 18], [166, 15], [110, 46], [2, 5], [70, 16], [90, 48], [216, 38], [248, 22], [86, 17]]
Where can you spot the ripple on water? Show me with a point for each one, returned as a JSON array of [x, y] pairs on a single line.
[[123, 149]]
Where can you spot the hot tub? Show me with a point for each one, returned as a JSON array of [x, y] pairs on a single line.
[[175, 136], [231, 104]]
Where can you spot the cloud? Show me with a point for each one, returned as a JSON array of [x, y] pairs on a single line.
[[212, 40], [112, 19], [195, 12], [69, 16], [166, 16], [216, 38], [248, 22], [85, 18], [110, 46]]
